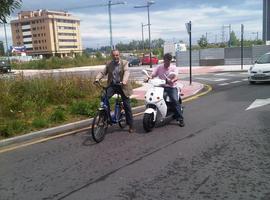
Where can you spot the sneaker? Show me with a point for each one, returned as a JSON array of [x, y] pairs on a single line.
[[131, 130], [181, 123]]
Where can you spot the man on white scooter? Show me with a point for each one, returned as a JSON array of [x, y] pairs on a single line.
[[169, 73]]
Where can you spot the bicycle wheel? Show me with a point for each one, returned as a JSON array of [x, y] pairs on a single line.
[[99, 126], [122, 120]]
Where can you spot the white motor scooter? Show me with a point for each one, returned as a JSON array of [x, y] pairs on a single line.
[[158, 104]]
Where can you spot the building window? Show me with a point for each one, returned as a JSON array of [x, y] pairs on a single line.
[[66, 28], [25, 23], [68, 47], [67, 34], [30, 42], [25, 30], [67, 40]]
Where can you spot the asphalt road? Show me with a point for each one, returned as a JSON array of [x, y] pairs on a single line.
[[223, 152]]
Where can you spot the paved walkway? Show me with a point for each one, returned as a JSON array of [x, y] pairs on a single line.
[[186, 89]]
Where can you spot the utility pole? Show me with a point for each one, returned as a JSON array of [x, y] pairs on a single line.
[[143, 25], [188, 27], [242, 45], [257, 35], [149, 3], [109, 4], [223, 34], [6, 39]]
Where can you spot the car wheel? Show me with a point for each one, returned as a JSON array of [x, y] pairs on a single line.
[[251, 82]]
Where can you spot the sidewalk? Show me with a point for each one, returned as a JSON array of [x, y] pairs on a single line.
[[186, 89], [182, 70], [138, 93]]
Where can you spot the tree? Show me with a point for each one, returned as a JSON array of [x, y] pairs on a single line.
[[233, 39], [202, 42], [7, 7], [2, 51]]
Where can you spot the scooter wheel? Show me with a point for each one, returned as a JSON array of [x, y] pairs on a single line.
[[148, 122]]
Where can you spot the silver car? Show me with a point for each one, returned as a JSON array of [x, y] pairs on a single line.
[[260, 71]]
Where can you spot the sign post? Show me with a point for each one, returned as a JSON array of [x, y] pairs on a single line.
[[188, 27]]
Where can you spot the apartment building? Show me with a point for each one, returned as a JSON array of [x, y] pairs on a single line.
[[47, 33]]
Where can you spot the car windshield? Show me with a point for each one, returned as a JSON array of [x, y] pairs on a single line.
[[264, 59]]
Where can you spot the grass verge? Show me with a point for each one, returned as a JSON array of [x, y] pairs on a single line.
[[31, 104]]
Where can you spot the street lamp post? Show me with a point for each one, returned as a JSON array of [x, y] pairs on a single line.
[[6, 40], [149, 3], [230, 27], [242, 45], [257, 35], [110, 4], [143, 25], [188, 27]]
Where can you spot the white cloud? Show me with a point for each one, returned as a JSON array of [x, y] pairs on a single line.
[[168, 24]]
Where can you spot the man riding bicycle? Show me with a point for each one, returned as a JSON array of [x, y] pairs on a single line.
[[118, 74]]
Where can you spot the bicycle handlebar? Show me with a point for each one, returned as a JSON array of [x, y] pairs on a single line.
[[97, 83]]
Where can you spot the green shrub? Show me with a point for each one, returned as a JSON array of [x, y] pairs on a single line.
[[43, 101], [84, 107], [39, 122], [58, 115], [56, 62], [133, 102], [12, 127]]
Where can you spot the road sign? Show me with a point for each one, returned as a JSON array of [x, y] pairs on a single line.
[[188, 27]]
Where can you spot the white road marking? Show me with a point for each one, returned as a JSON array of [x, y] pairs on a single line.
[[222, 84], [245, 79], [225, 74], [236, 82], [258, 103], [213, 79]]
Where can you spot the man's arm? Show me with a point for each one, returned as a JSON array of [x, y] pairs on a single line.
[[175, 77], [103, 73], [154, 73], [126, 72]]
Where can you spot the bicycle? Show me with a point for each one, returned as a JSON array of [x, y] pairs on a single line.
[[104, 117]]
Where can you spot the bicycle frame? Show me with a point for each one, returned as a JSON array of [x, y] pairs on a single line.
[[105, 117], [113, 116]]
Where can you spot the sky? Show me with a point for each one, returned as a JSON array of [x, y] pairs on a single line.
[[167, 18]]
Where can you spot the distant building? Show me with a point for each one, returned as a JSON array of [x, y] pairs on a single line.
[[266, 20], [47, 33]]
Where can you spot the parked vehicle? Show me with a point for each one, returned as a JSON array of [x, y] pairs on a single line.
[[158, 104], [134, 61], [4, 66], [146, 60], [260, 71]]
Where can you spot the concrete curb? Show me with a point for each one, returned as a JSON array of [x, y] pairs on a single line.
[[64, 128], [55, 130]]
